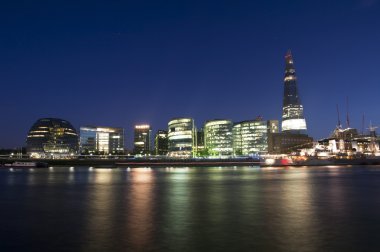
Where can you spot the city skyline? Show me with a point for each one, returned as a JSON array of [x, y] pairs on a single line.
[[189, 125], [208, 61]]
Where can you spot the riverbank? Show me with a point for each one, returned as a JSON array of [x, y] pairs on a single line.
[[114, 163]]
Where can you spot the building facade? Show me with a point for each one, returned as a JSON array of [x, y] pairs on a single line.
[[161, 143], [52, 138], [181, 137], [251, 137], [287, 142], [273, 126], [101, 140], [142, 139], [293, 119], [218, 137]]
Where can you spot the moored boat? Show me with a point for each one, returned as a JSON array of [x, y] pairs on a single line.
[[25, 164]]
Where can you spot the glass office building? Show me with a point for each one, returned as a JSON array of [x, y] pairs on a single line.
[[181, 137], [251, 137], [101, 140], [52, 138], [142, 139], [218, 137]]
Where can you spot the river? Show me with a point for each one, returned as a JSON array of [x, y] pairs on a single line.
[[190, 209]]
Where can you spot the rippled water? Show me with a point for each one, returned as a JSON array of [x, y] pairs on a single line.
[[191, 209]]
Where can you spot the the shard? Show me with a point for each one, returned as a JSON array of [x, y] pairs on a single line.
[[293, 119]]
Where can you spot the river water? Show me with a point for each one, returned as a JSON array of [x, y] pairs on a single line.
[[190, 209]]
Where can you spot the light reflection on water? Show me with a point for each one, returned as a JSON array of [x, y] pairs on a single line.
[[191, 209], [140, 220]]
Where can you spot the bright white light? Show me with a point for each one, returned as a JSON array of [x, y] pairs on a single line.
[[183, 120], [294, 124], [105, 130], [269, 161], [142, 126], [180, 137], [217, 122]]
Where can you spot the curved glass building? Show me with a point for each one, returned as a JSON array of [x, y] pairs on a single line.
[[181, 140], [218, 137], [52, 138]]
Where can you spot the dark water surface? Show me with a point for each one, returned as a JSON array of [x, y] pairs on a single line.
[[191, 209]]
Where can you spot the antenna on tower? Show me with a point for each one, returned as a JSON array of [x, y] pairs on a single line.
[[348, 118], [337, 110]]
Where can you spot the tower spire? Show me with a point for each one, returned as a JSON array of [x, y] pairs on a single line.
[[289, 53], [289, 62]]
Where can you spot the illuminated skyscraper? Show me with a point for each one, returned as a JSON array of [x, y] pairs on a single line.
[[142, 139], [293, 119]]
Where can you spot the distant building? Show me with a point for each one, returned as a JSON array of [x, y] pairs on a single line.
[[251, 137], [142, 139], [101, 140], [181, 137], [52, 138], [218, 137], [161, 142], [293, 120]]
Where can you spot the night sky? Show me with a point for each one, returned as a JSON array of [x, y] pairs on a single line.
[[119, 63]]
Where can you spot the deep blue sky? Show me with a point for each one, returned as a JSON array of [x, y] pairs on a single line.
[[118, 63]]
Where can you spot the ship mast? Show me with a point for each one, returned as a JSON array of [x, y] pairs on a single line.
[[373, 147], [339, 124], [347, 116], [363, 125]]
